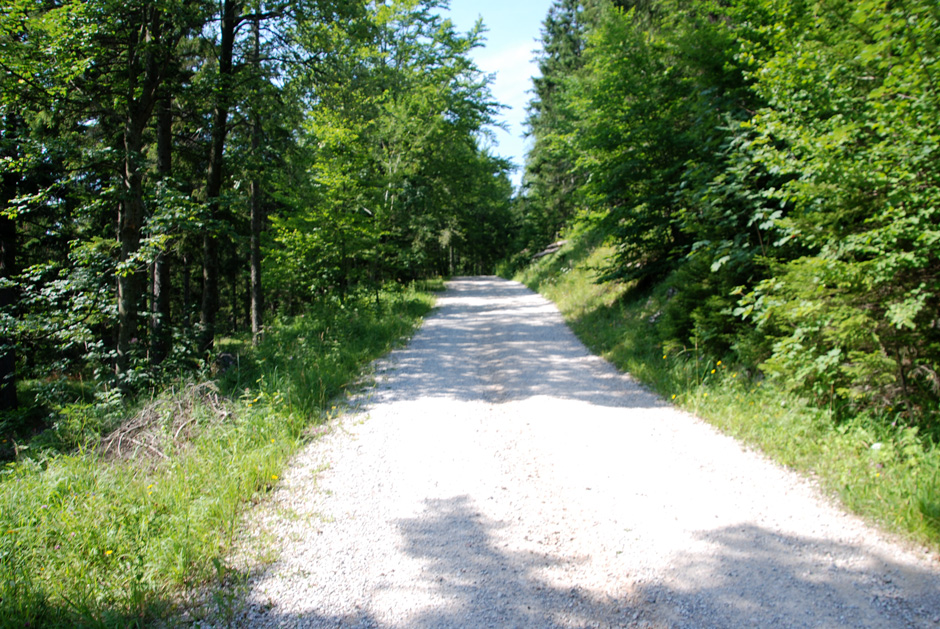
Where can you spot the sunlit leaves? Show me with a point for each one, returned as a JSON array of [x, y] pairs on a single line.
[[395, 168], [853, 117], [777, 161]]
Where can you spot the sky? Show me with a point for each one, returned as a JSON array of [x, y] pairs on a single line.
[[512, 37]]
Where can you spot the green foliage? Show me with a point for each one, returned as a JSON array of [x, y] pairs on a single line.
[[399, 187], [632, 140], [109, 535], [245, 178], [777, 162], [878, 464], [550, 181], [858, 134]]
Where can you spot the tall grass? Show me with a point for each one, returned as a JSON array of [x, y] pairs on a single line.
[[95, 539], [883, 470]]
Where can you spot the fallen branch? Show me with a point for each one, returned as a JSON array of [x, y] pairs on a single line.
[[552, 248]]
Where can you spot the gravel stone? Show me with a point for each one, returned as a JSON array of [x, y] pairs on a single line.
[[499, 475]]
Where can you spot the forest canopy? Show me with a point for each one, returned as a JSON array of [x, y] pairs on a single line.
[[173, 171]]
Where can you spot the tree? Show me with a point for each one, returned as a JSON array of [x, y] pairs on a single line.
[[551, 178], [852, 115], [396, 159]]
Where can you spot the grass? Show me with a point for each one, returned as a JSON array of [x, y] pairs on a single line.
[[92, 538], [883, 471]]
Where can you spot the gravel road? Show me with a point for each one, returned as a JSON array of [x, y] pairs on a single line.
[[498, 475]]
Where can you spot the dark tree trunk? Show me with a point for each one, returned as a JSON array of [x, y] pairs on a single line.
[[187, 293], [8, 399], [142, 86], [234, 294], [257, 295], [9, 183], [210, 291], [210, 249], [160, 339], [246, 302], [130, 280]]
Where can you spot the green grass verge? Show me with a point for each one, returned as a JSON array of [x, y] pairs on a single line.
[[884, 472], [94, 540]]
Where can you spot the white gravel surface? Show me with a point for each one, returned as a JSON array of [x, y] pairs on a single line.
[[498, 475]]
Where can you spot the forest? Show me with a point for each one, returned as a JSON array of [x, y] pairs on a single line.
[[214, 215], [771, 168], [175, 172]]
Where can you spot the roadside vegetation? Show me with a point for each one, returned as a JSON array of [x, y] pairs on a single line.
[[213, 215], [879, 465], [111, 518], [750, 190]]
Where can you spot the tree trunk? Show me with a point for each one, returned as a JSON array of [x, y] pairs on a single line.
[[160, 340], [210, 249], [210, 292], [246, 302], [187, 293], [257, 295], [142, 86], [129, 284], [8, 400], [233, 277]]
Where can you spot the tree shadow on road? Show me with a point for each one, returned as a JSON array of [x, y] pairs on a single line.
[[496, 341], [486, 584], [751, 577], [475, 581]]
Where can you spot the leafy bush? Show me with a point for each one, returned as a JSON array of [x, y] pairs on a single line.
[[852, 118], [778, 162]]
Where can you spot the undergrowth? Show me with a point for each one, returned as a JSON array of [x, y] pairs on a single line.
[[111, 529], [880, 467]]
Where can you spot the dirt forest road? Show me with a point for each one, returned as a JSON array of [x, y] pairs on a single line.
[[498, 475]]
